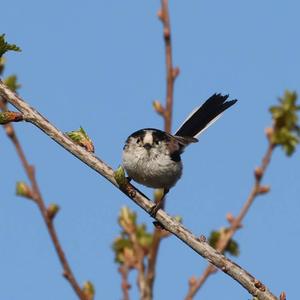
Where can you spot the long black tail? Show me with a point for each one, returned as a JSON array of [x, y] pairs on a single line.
[[202, 117]]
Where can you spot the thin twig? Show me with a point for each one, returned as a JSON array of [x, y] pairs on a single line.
[[236, 222], [171, 74], [38, 199], [145, 293], [123, 269], [282, 296], [248, 281]]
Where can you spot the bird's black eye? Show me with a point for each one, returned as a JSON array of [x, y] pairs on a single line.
[[138, 140], [157, 142]]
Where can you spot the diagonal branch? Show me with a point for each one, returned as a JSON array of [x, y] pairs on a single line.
[[38, 199], [235, 223], [248, 281]]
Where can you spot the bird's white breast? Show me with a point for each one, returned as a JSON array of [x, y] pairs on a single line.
[[154, 169]]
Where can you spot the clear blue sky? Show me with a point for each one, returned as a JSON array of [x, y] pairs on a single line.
[[100, 64]]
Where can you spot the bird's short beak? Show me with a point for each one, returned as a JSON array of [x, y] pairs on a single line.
[[147, 146]]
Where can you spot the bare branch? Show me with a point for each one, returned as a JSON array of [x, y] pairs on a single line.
[[170, 71], [166, 113], [38, 199], [198, 245]]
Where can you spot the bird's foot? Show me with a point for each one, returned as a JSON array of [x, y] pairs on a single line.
[[154, 210], [158, 225]]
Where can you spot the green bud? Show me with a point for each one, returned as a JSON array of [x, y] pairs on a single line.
[[10, 116], [158, 107], [120, 177], [88, 290], [81, 138], [52, 210], [127, 219], [23, 190]]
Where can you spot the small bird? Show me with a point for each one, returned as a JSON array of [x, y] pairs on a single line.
[[152, 157]]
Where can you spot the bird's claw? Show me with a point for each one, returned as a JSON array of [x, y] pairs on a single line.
[[154, 210]]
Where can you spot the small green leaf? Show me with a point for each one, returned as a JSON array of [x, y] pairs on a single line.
[[122, 246], [4, 46], [132, 234], [286, 131], [232, 246], [144, 237], [214, 238], [12, 83]]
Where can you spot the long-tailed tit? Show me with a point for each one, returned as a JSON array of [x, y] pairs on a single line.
[[152, 157]]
